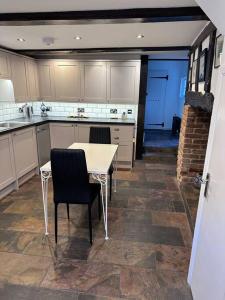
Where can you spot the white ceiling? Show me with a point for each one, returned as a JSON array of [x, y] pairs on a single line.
[[69, 5], [102, 36]]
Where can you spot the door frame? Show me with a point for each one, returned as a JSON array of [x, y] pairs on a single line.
[[142, 102], [209, 149], [141, 106]]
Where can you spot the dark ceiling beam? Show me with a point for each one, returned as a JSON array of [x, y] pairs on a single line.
[[139, 15], [45, 53]]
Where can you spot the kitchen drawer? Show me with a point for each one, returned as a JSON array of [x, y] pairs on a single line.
[[125, 152], [122, 133]]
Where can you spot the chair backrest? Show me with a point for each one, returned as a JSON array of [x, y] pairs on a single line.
[[69, 175], [100, 135]]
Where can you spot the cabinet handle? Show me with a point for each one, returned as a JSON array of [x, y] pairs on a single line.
[[116, 129], [116, 138]]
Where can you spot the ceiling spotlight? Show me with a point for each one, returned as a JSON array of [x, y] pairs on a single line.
[[77, 37], [140, 36], [21, 40], [48, 40]]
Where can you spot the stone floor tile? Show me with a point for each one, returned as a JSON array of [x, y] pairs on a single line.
[[98, 279], [123, 253], [23, 269], [173, 219]]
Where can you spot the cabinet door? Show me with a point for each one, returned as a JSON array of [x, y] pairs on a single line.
[[125, 152], [83, 133], [67, 81], [32, 80], [19, 78], [62, 135], [7, 169], [123, 82], [25, 151], [46, 81], [94, 82], [4, 65]]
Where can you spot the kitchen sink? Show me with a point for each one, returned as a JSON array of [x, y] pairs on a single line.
[[12, 124]]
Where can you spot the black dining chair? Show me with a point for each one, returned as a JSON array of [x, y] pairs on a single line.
[[102, 135], [71, 183]]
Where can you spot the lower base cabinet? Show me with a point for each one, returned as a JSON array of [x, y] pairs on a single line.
[[63, 135], [25, 151], [7, 169], [18, 150]]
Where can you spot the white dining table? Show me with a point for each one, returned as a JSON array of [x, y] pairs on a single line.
[[99, 158]]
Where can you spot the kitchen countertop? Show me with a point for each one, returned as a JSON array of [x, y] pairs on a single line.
[[37, 120]]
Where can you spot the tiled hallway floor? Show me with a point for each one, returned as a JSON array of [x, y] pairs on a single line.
[[146, 257]]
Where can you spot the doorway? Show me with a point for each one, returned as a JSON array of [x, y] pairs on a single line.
[[166, 86]]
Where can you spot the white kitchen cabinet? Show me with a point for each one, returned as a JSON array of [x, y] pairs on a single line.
[[5, 71], [19, 78], [67, 80], [32, 80], [90, 81], [93, 82], [63, 135], [83, 133], [122, 135], [123, 80], [46, 80], [25, 151], [7, 169]]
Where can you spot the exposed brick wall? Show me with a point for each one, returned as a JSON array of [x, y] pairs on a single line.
[[192, 144]]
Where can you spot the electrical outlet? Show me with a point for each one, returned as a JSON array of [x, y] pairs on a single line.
[[80, 110], [113, 111], [129, 111]]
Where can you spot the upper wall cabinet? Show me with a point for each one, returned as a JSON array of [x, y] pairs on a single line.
[[93, 83], [32, 80], [123, 82], [4, 65], [19, 78], [67, 80], [90, 81], [46, 80]]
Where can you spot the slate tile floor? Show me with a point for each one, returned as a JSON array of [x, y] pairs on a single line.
[[146, 257]]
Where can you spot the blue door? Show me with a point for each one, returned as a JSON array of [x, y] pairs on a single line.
[[155, 100]]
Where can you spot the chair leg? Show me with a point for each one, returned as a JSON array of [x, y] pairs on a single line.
[[56, 222], [90, 222], [68, 210], [99, 206], [110, 176]]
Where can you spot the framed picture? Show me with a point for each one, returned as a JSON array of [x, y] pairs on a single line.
[[202, 65], [218, 50], [194, 70], [189, 75]]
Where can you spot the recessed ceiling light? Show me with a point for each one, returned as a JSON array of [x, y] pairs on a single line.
[[77, 37], [21, 40], [140, 36]]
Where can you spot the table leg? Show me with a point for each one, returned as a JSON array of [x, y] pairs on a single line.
[[115, 175], [106, 207], [44, 182]]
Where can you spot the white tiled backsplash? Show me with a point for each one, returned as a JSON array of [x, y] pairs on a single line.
[[64, 109], [91, 110], [10, 111]]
